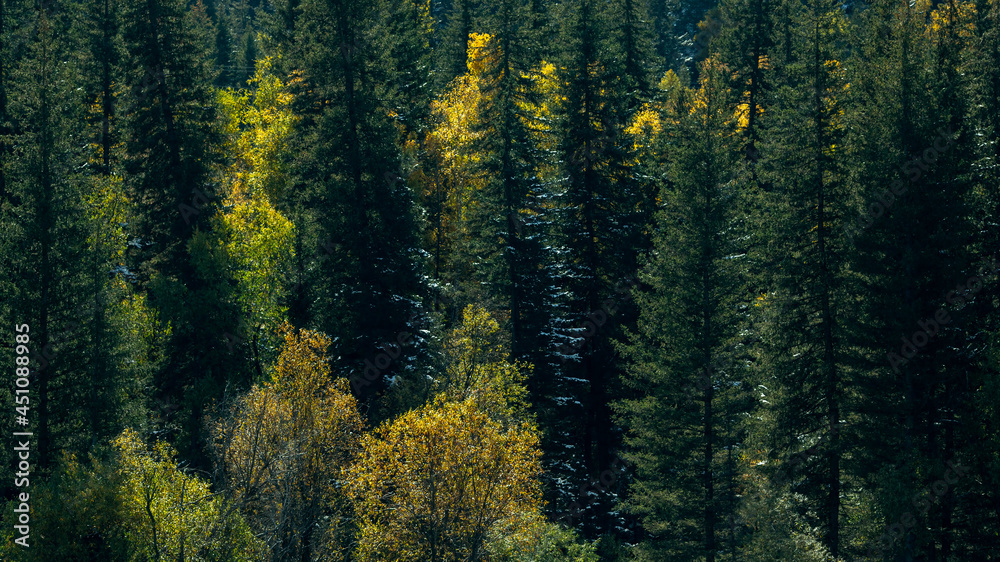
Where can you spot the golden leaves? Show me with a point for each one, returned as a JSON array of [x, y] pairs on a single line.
[[439, 481], [645, 125], [430, 485], [961, 16], [478, 368], [256, 239], [167, 512], [286, 443]]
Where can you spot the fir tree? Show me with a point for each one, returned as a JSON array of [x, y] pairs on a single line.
[[806, 351], [353, 206], [171, 137], [682, 428], [600, 217], [910, 172]]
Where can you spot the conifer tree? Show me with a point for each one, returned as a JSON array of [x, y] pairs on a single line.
[[910, 173], [635, 36], [87, 330], [600, 216], [4, 127], [171, 133], [678, 27], [508, 218], [453, 46], [682, 428], [977, 534], [806, 354], [352, 204], [47, 225], [745, 43]]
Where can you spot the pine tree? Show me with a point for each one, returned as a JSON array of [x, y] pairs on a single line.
[[635, 37], [86, 332], [682, 429], [976, 534], [677, 26], [910, 172], [601, 215], [585, 143], [745, 43], [510, 229], [4, 132], [806, 352], [452, 48], [353, 207], [408, 26], [171, 120], [47, 226], [171, 132]]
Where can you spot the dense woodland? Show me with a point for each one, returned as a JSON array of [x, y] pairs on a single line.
[[502, 280]]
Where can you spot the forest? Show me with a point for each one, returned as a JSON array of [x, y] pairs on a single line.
[[500, 280]]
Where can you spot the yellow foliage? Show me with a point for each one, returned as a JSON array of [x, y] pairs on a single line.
[[478, 367], [962, 15], [457, 110], [645, 126], [169, 515], [258, 123], [704, 101], [258, 240], [534, 538], [743, 115], [699, 102], [538, 111], [108, 208], [482, 53], [285, 445], [450, 181], [669, 82], [432, 484], [743, 109], [255, 239]]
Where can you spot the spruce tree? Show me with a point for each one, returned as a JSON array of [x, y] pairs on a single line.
[[171, 134], [910, 172], [976, 533], [351, 201], [453, 46], [745, 43], [806, 354], [89, 356], [682, 428], [46, 226], [601, 214], [508, 219]]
